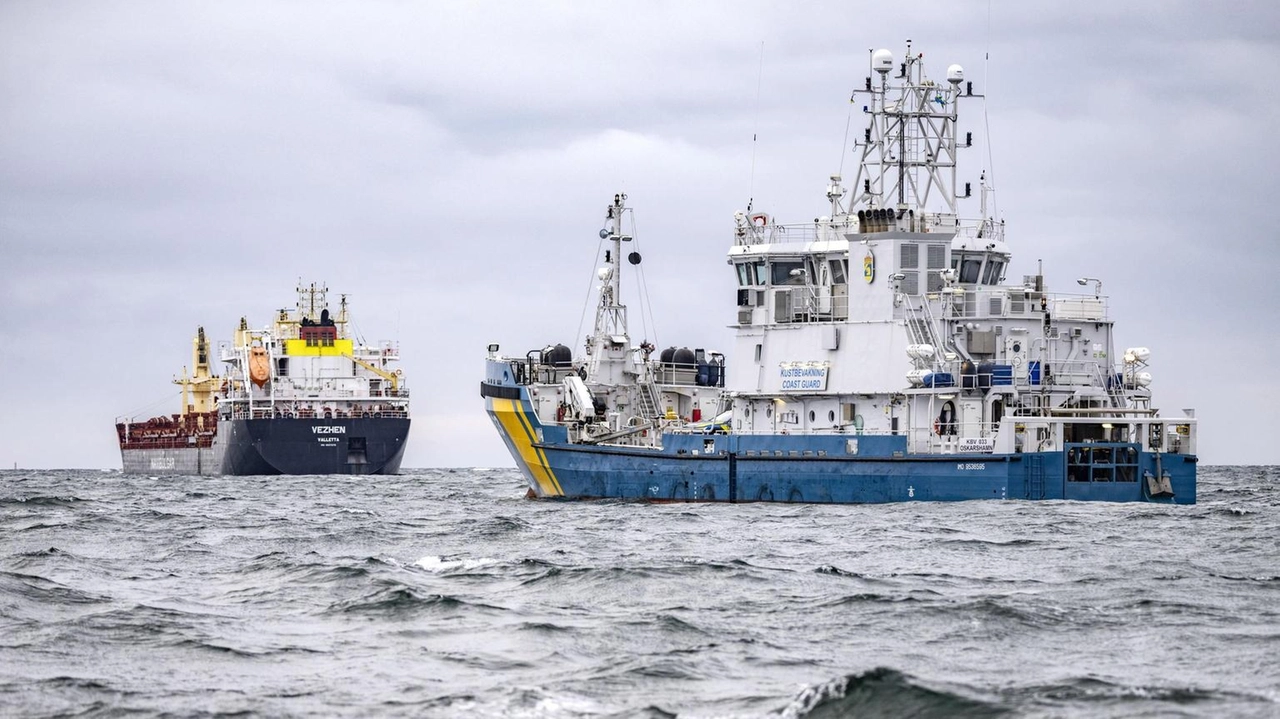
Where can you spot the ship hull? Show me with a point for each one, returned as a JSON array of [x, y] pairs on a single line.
[[370, 445], [841, 469], [205, 461], [271, 446]]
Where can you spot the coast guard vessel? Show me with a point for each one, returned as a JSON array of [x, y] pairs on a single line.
[[880, 356], [300, 396]]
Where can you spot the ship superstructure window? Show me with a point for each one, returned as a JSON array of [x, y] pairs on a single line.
[[838, 274], [970, 269], [752, 273], [788, 272], [992, 275]]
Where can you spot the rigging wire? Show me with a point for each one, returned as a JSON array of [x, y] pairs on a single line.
[[590, 284], [156, 403], [646, 305], [844, 146]]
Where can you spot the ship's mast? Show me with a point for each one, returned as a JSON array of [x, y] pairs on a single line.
[[609, 342], [312, 301], [198, 388], [611, 316], [909, 148]]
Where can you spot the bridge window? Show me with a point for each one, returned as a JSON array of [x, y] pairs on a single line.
[[752, 273], [838, 274], [788, 272], [992, 276]]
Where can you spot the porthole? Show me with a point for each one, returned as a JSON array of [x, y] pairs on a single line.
[[812, 416], [831, 415]]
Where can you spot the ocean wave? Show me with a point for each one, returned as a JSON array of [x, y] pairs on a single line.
[[440, 565], [304, 596], [137, 624], [873, 598], [884, 692], [45, 593], [398, 600], [976, 542], [1089, 690], [39, 500]]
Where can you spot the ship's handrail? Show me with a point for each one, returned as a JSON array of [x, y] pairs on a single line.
[[304, 395], [335, 413], [1177, 435], [668, 374], [928, 222]]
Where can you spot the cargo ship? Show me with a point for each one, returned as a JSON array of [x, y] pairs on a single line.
[[880, 355], [300, 396]]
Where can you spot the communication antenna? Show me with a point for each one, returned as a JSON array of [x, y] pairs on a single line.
[[986, 120], [751, 188]]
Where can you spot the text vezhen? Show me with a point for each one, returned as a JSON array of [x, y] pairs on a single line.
[[329, 429]]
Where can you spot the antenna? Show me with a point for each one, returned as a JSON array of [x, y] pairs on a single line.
[[751, 188], [986, 123]]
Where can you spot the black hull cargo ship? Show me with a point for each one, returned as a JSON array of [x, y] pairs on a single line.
[[300, 397]]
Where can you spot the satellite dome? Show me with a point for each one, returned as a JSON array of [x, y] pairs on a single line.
[[955, 74], [882, 61]]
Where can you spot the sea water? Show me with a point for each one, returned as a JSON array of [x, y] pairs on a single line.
[[448, 593]]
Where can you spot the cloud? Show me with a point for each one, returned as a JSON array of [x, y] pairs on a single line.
[[164, 166]]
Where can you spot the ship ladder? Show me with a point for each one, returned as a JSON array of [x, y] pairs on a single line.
[[1035, 475], [923, 329], [647, 396]]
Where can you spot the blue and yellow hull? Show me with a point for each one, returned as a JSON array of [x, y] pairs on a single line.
[[815, 468]]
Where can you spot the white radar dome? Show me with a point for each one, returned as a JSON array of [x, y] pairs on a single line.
[[882, 61], [955, 74]]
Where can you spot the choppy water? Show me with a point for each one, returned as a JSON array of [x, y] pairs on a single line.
[[446, 593]]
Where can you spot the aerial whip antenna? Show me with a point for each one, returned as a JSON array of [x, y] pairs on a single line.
[[986, 120], [751, 189]]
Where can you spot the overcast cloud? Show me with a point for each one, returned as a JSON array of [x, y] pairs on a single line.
[[167, 165]]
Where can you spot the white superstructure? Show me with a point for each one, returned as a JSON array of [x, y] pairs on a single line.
[[307, 364]]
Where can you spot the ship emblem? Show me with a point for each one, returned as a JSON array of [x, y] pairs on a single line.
[[869, 268]]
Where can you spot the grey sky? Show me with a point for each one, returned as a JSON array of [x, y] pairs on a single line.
[[168, 165]]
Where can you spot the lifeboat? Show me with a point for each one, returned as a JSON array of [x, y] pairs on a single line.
[[259, 365]]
